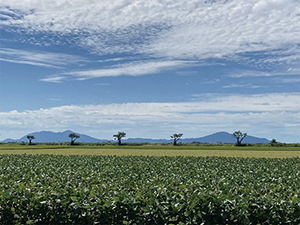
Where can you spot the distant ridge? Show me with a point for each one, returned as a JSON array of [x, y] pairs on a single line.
[[49, 136], [223, 137]]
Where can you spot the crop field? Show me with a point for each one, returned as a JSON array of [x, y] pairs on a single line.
[[106, 185], [57, 189], [155, 150]]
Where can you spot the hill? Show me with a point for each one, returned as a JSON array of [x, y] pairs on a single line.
[[49, 136], [223, 137]]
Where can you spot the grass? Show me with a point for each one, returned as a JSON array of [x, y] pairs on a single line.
[[255, 151]]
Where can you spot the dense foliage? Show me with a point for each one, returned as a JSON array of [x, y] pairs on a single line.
[[39, 189]]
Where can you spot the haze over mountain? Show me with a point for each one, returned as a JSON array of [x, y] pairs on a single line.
[[49, 136]]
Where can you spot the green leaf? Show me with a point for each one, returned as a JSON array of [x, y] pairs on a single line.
[[74, 198]]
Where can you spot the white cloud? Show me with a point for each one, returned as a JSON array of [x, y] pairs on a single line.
[[173, 29], [233, 29], [32, 63], [249, 85], [262, 114], [38, 58], [295, 79], [238, 73], [136, 68], [113, 60], [54, 79]]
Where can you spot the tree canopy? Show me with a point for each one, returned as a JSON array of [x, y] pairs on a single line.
[[30, 138], [73, 137], [239, 137], [176, 138], [119, 136]]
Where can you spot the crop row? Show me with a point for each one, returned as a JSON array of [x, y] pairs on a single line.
[[47, 189]]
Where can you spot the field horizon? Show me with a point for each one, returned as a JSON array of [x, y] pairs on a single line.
[[229, 150]]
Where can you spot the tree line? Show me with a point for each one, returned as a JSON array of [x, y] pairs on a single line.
[[176, 137]]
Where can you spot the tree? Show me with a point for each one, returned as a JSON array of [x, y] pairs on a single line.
[[273, 142], [239, 137], [176, 138], [119, 136], [30, 138], [73, 137]]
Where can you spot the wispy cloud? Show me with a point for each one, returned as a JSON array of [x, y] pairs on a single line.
[[250, 103], [295, 79], [230, 30], [38, 58], [136, 68], [54, 79], [239, 73], [249, 85], [114, 59], [32, 63]]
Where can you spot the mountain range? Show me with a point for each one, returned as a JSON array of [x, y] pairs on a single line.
[[49, 136]]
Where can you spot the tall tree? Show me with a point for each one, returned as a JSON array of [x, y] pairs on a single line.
[[176, 138], [239, 137], [273, 142], [119, 136], [30, 138], [73, 137]]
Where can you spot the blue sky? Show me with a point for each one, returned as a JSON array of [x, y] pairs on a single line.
[[150, 68]]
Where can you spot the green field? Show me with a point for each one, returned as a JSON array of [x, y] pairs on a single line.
[[57, 189], [149, 184], [155, 150]]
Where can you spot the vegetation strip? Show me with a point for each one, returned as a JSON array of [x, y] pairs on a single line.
[[56, 189], [137, 152], [257, 151]]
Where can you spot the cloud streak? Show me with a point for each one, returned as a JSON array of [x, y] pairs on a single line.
[[38, 58], [249, 85], [137, 68]]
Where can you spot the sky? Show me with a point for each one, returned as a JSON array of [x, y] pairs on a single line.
[[150, 68]]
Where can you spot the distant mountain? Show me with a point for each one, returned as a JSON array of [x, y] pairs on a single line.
[[49, 136], [9, 140], [223, 137], [146, 140]]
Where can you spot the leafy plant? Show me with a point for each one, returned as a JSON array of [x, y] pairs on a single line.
[[54, 189]]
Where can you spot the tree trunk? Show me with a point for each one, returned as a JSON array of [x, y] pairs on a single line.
[[238, 142]]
